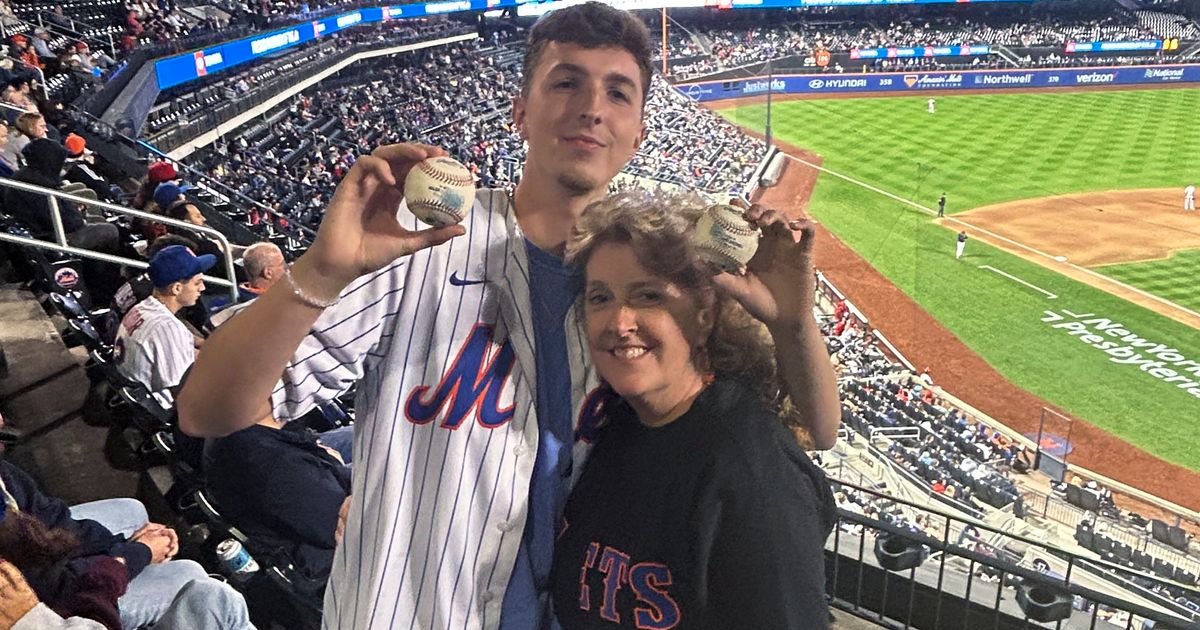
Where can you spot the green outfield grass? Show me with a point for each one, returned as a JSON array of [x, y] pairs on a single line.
[[1174, 278], [992, 148]]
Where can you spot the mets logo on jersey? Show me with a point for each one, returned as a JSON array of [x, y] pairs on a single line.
[[472, 384]]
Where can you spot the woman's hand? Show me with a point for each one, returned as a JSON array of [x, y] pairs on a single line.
[[16, 597], [779, 286]]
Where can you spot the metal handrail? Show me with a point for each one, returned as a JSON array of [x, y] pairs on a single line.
[[60, 242], [979, 525], [943, 547]]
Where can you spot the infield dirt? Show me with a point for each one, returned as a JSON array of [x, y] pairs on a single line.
[[960, 370]]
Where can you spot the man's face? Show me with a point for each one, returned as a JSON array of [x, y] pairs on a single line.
[[582, 117], [190, 290], [195, 217]]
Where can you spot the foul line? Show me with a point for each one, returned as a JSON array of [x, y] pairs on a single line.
[[931, 211], [1012, 277]]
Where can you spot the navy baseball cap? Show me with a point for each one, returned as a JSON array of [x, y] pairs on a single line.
[[177, 263], [166, 194]]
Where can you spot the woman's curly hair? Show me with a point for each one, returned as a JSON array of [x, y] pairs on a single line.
[[659, 227]]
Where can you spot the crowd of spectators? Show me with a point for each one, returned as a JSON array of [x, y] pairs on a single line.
[[771, 35], [958, 457], [455, 97]]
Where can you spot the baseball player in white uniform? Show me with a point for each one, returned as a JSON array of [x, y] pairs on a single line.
[[153, 346], [1189, 197], [468, 428], [932, 105]]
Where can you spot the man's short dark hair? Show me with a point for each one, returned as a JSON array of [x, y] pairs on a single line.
[[168, 240], [178, 210], [590, 25]]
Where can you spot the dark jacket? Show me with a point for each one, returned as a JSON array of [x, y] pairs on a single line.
[[43, 163], [94, 538], [283, 490], [81, 172]]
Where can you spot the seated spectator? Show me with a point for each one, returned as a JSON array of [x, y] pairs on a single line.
[[153, 346], [172, 204], [29, 127], [264, 266], [41, 44], [140, 287], [78, 168], [44, 160], [112, 528], [200, 604], [8, 166], [283, 488], [158, 173]]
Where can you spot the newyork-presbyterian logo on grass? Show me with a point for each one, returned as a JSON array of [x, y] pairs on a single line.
[[1127, 348]]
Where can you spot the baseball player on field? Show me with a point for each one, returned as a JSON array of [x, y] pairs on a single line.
[[932, 105], [469, 431], [1189, 197]]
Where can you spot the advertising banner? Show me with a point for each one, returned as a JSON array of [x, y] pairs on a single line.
[[921, 81]]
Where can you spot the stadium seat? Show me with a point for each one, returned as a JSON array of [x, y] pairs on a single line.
[[1085, 538], [1142, 560]]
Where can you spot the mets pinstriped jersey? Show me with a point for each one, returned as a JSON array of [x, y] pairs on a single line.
[[441, 346], [153, 347]]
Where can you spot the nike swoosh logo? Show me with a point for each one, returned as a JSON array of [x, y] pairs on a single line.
[[459, 282]]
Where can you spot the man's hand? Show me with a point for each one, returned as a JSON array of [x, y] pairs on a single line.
[[779, 287], [162, 541], [360, 233], [333, 453], [16, 598], [343, 514]]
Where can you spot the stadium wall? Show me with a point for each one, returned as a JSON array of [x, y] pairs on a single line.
[[808, 84]]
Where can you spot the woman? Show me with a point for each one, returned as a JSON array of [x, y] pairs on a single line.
[[50, 580], [697, 508]]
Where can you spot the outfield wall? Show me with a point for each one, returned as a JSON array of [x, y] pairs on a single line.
[[923, 81]]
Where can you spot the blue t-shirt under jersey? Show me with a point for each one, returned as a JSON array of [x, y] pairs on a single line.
[[552, 290]]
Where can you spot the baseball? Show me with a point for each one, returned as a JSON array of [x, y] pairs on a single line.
[[439, 191], [725, 239]]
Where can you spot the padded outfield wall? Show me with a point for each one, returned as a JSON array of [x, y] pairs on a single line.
[[900, 83]]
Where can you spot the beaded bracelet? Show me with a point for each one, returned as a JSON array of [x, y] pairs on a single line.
[[304, 297]]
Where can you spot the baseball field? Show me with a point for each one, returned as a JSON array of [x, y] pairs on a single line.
[[1079, 279]]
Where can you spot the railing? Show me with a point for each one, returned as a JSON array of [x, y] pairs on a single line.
[[60, 237], [942, 569]]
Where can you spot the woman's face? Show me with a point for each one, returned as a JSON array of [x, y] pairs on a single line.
[[641, 328]]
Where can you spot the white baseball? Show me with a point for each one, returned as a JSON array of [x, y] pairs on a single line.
[[724, 238], [439, 191]]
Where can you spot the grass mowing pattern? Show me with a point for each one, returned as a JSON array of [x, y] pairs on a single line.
[[1173, 278], [984, 149]]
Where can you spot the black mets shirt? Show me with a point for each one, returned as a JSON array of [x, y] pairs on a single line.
[[715, 521]]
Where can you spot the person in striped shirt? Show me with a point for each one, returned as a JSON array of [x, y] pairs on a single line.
[[475, 394]]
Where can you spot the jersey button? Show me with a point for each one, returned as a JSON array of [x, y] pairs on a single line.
[[518, 450], [487, 596]]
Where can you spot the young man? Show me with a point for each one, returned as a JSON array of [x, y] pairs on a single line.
[[469, 431], [153, 346]]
